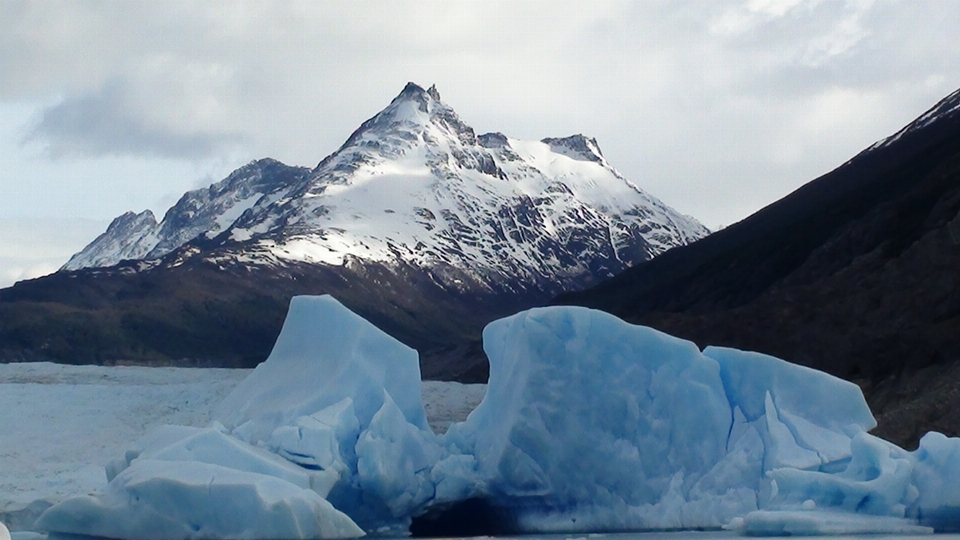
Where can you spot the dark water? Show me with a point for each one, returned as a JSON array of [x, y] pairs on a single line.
[[700, 535], [681, 535]]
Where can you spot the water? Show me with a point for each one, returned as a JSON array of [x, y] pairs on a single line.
[[699, 535], [676, 535]]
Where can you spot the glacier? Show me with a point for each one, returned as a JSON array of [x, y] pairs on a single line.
[[589, 424]]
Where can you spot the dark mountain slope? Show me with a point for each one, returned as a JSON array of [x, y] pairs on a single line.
[[855, 273], [187, 311]]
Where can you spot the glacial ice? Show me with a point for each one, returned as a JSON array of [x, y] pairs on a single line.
[[325, 353], [160, 500], [589, 424], [338, 395]]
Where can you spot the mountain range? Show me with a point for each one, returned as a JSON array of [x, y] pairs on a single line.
[[415, 222]]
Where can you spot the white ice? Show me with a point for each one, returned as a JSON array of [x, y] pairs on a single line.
[[161, 500], [325, 353], [47, 454], [818, 523], [589, 423], [59, 425]]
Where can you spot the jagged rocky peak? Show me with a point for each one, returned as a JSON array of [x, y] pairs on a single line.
[[123, 239], [415, 114], [259, 176], [493, 140], [205, 211], [131, 220], [577, 146]]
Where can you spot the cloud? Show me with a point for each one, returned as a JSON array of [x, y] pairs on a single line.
[[109, 123], [717, 106], [31, 247]]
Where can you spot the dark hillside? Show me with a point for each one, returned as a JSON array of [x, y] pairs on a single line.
[[186, 311], [855, 273]]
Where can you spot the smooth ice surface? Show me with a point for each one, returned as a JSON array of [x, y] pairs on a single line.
[[824, 399], [191, 499]]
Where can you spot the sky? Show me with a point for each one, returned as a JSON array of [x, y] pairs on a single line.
[[717, 107]]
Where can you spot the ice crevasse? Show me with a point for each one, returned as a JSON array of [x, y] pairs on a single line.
[[589, 424]]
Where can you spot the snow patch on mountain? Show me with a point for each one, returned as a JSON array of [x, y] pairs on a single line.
[[946, 107]]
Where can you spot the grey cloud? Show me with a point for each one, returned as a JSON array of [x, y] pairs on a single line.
[[110, 122], [690, 109], [891, 44]]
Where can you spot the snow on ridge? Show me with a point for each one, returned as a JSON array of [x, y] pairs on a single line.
[[945, 107], [129, 236]]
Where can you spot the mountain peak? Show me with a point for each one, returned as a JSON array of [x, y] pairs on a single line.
[[579, 147], [415, 184], [413, 92], [129, 236], [408, 117]]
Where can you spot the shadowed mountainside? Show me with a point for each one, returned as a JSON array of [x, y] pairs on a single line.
[[855, 274]]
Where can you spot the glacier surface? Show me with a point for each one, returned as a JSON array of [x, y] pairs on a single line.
[[589, 424]]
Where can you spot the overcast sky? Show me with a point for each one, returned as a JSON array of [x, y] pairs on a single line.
[[717, 107]]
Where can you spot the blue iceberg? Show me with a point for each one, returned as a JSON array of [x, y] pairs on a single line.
[[589, 424]]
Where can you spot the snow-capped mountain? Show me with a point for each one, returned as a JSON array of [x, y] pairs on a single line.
[[415, 185], [129, 236], [203, 212]]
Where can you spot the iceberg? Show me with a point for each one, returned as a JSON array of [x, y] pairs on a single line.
[[591, 423], [936, 475], [339, 395], [324, 354], [588, 424], [588, 419]]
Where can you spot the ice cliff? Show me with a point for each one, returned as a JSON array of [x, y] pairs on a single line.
[[589, 424]]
